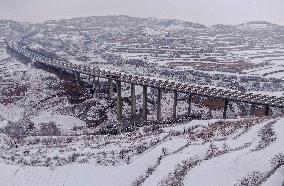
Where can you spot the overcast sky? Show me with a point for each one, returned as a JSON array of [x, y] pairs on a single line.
[[207, 12]]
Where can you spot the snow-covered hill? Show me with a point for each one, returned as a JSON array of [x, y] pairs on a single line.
[[45, 140], [258, 26], [54, 132]]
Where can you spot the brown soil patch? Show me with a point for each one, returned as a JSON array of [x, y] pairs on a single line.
[[237, 67]]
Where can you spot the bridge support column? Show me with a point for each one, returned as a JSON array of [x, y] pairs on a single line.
[[78, 78], [252, 110], [110, 88], [94, 79], [267, 109], [98, 87], [189, 98], [94, 86], [159, 98], [133, 101], [119, 101], [175, 105], [144, 105], [48, 67], [77, 75], [225, 108]]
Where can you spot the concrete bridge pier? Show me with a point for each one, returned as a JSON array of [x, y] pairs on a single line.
[[159, 98], [77, 75], [90, 78], [48, 67], [98, 88], [144, 104], [119, 101], [133, 101], [225, 108], [175, 105], [78, 78], [94, 86], [94, 79], [267, 109], [110, 88], [189, 98], [252, 109]]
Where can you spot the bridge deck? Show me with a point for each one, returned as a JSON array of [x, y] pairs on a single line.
[[232, 95]]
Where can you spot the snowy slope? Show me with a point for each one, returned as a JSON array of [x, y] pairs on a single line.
[[50, 126], [234, 153]]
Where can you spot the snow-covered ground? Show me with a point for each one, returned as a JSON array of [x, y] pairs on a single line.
[[52, 130], [232, 152]]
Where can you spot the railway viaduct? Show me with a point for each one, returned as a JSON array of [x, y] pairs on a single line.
[[159, 84]]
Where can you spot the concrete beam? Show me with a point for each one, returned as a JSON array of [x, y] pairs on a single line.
[[175, 105], [225, 108], [144, 104], [119, 101], [159, 98], [133, 101]]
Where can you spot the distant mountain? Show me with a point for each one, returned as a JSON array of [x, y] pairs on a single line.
[[9, 28], [223, 28], [110, 21], [258, 25], [123, 20], [13, 25], [168, 24], [128, 21]]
